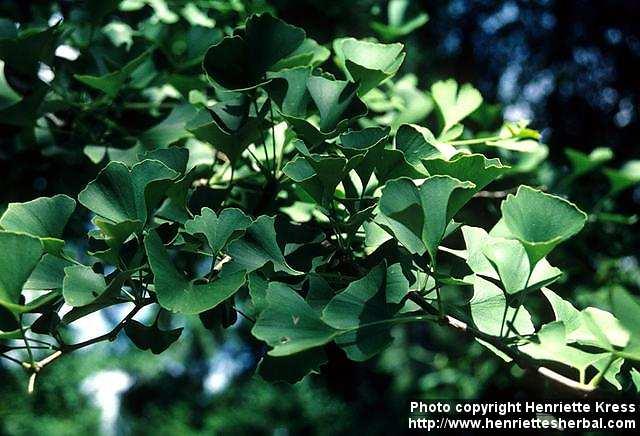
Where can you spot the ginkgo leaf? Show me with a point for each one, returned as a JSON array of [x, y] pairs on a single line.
[[44, 218], [625, 177], [582, 163], [218, 230], [368, 63], [491, 314], [417, 216], [178, 294], [626, 308], [590, 326], [151, 337], [366, 309], [121, 194], [479, 251], [454, 103], [291, 368], [25, 49], [539, 221], [309, 53], [170, 129], [510, 260], [288, 89], [398, 25], [367, 143], [112, 83], [474, 168], [19, 255], [336, 101], [417, 143], [258, 246], [288, 324], [241, 61], [48, 274], [8, 97], [317, 174], [229, 126], [552, 346], [82, 285]]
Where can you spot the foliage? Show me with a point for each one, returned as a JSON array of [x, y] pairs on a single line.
[[320, 201]]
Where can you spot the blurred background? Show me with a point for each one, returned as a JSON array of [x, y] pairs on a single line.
[[570, 66]]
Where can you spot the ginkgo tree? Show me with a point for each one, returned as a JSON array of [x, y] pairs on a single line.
[[314, 220]]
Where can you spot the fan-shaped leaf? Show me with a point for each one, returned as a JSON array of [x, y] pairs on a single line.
[[44, 218], [176, 293], [368, 63], [19, 255], [289, 324], [418, 216], [540, 221]]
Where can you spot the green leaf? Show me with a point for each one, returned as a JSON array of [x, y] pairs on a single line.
[[288, 90], [552, 345], [368, 63], [336, 101], [48, 275], [151, 337], [121, 194], [364, 308], [367, 143], [25, 51], [19, 255], [540, 221], [318, 175], [309, 53], [218, 230], [625, 177], [398, 25], [455, 104], [627, 309], [582, 163], [293, 368], [474, 168], [591, 326], [417, 143], [176, 293], [171, 129], [289, 324], [510, 260], [113, 82], [418, 216], [392, 164], [488, 306], [44, 218], [241, 61], [82, 286], [258, 246], [229, 127], [502, 265], [8, 97]]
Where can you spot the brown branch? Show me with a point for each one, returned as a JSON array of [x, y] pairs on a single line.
[[521, 359]]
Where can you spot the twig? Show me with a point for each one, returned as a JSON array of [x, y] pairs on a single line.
[[519, 358]]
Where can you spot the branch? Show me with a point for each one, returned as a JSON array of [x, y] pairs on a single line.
[[521, 359], [109, 336]]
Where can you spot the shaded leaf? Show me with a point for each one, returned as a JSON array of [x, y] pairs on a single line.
[[19, 255], [176, 293], [289, 324], [418, 216], [44, 218], [151, 337]]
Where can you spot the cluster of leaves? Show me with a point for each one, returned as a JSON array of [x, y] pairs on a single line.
[[301, 194]]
